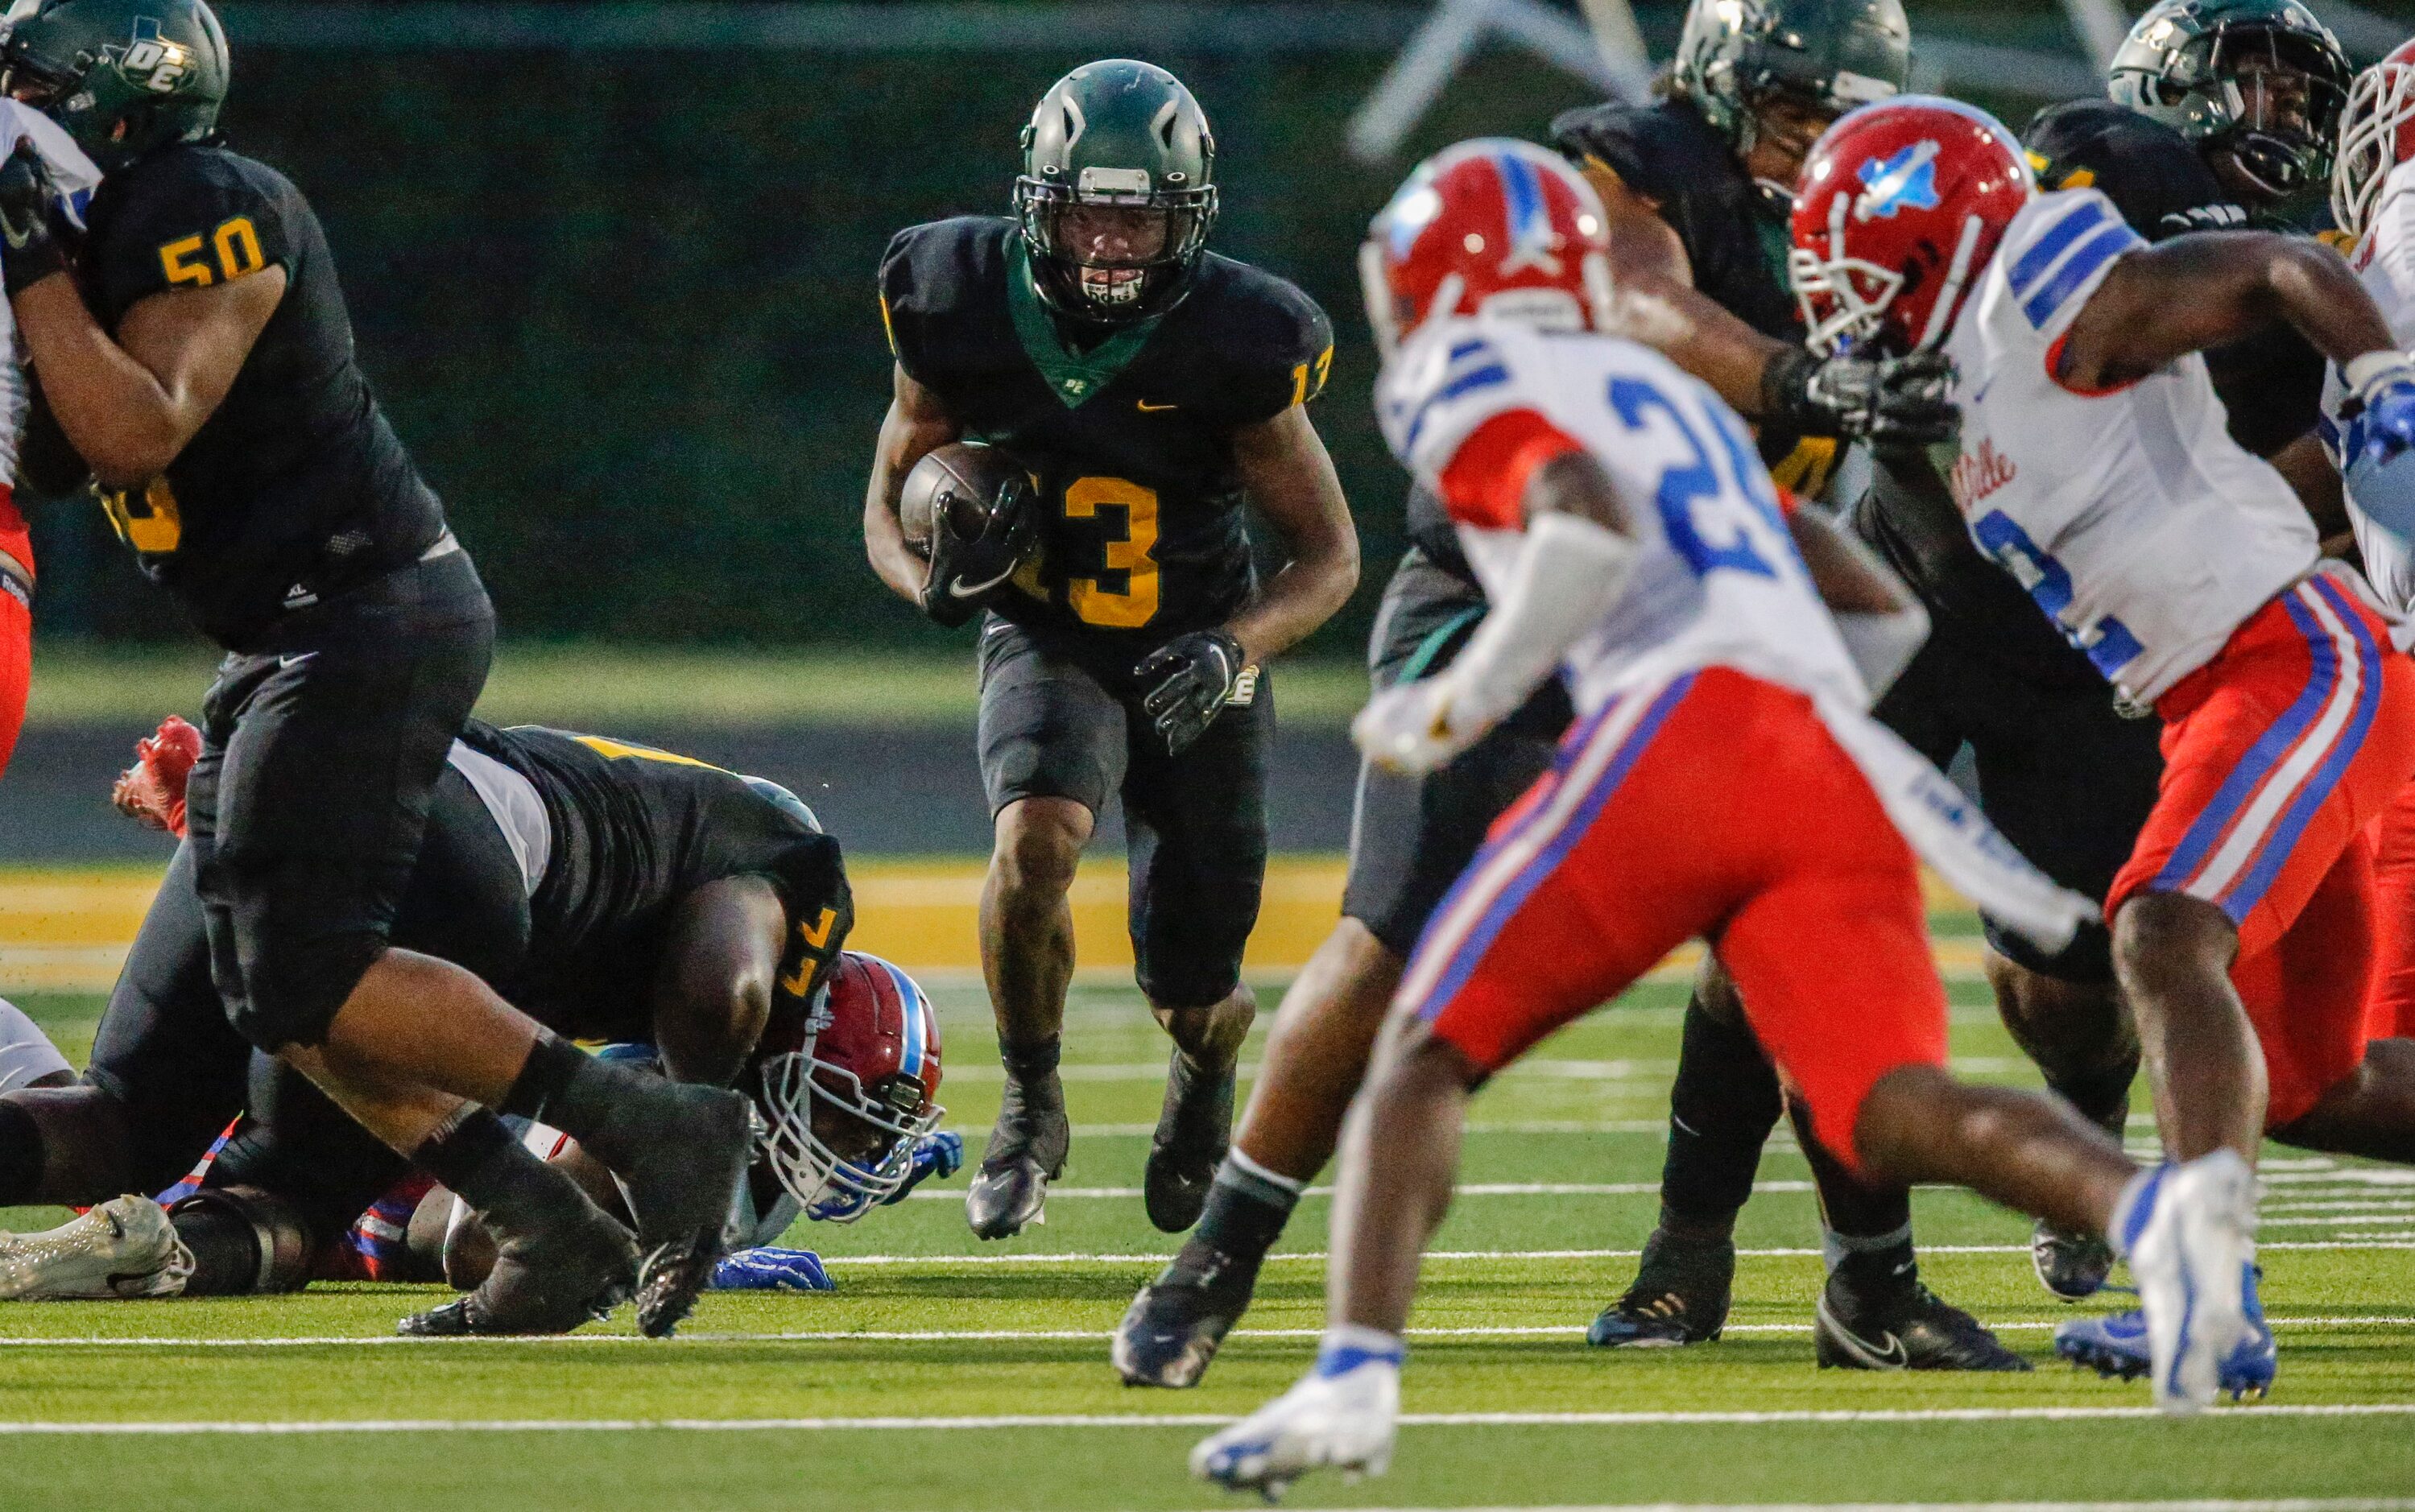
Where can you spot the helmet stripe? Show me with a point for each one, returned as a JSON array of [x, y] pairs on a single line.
[[1530, 221], [910, 996]]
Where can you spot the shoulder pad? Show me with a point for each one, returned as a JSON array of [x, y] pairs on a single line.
[[2150, 171], [1661, 151]]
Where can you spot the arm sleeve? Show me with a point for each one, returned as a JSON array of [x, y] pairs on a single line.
[[1289, 363], [900, 315], [190, 231]]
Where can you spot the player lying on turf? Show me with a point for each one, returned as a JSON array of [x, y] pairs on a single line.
[[608, 891], [1694, 188], [2096, 469], [1723, 782], [2373, 199], [823, 1138], [1152, 388]]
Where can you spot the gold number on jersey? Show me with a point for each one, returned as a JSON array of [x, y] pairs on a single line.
[[151, 524], [236, 243], [1136, 605]]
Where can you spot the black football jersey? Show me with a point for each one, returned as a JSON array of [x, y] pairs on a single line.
[[634, 831], [2272, 382], [1130, 436], [1735, 237], [296, 486]]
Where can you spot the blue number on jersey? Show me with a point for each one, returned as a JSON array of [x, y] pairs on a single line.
[[1683, 487], [2107, 641]]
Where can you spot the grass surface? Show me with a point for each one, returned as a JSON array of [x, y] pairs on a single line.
[[593, 684], [1583, 1112]]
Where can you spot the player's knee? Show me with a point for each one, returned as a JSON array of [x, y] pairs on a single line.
[[2068, 1027], [1878, 1134], [1039, 845], [1341, 998], [292, 990], [2168, 941]]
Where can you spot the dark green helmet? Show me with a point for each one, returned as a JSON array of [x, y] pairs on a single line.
[[2201, 66], [1118, 191], [122, 76], [1832, 55]]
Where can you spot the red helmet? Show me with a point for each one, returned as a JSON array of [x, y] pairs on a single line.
[[1901, 205], [1494, 224], [865, 1057], [2377, 134]]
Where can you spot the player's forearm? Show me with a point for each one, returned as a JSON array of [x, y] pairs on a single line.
[[914, 427], [2319, 296], [1698, 334], [113, 409], [1309, 590]]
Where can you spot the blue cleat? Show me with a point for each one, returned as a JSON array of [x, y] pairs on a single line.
[[2117, 1346]]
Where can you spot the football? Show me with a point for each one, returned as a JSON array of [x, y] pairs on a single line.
[[967, 479]]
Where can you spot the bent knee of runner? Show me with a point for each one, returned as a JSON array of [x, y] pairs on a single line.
[[1039, 844], [2163, 940], [1878, 1137]]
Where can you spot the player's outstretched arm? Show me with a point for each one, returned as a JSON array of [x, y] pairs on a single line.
[[1291, 480], [917, 425], [2204, 290], [1656, 301]]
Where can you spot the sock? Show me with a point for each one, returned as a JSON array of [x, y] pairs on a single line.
[[21, 1156], [585, 1096], [1350, 1345], [1724, 1104], [1031, 1062], [2102, 1097], [1246, 1209], [476, 1157], [1869, 1225], [544, 1078], [2137, 1204]]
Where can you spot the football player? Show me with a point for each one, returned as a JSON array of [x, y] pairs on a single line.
[[1694, 188], [608, 891], [1723, 781], [196, 357], [1149, 385], [2095, 468]]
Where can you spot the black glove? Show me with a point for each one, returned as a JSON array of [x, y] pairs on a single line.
[[30, 247], [1189, 679], [967, 574], [1904, 401]]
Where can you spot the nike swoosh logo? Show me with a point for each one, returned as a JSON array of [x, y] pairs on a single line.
[[964, 591], [1147, 407], [287, 663], [1894, 1354]]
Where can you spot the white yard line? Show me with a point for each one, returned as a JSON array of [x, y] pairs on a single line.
[[2295, 1503], [1473, 1188], [807, 1425], [1570, 1332]]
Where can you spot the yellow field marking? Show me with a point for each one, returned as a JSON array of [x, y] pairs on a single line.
[[66, 929]]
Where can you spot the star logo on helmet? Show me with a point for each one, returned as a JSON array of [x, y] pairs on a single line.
[[1905, 181]]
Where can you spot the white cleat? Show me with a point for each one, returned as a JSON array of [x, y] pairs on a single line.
[[125, 1247], [2191, 1262], [1344, 1421]]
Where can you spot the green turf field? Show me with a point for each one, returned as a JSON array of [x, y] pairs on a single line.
[[763, 1401]]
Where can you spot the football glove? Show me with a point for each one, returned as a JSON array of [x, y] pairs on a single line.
[[1408, 728], [1902, 401], [152, 791], [2383, 405], [939, 1153], [31, 245], [966, 575], [1189, 679], [771, 1269]]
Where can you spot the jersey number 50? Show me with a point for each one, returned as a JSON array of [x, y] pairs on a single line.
[[235, 244]]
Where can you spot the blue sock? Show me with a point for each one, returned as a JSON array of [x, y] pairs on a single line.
[[1349, 1345]]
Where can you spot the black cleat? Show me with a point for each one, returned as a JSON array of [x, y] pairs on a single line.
[[1027, 1151], [1175, 1325], [542, 1283], [1192, 1130], [1895, 1326], [2071, 1266], [689, 1149], [1680, 1296]]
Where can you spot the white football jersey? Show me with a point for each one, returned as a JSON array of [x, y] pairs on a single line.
[[2385, 262], [77, 178], [1718, 579], [2140, 528]]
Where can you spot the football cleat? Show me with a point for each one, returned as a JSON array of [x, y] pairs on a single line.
[[548, 1282], [1895, 1326], [125, 1247], [1193, 1129], [1342, 1414], [1177, 1323], [2198, 1329], [1027, 1151], [2071, 1266], [696, 1146], [2118, 1346], [1680, 1296]]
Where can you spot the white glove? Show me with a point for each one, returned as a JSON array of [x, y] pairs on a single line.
[[1410, 729]]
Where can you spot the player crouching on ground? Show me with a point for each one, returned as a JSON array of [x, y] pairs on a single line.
[[2096, 468], [1723, 781]]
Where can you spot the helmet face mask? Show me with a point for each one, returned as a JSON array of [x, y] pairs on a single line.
[[1117, 195], [2377, 134], [849, 1096], [2258, 86], [1768, 72]]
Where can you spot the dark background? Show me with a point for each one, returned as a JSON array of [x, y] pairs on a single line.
[[620, 302]]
